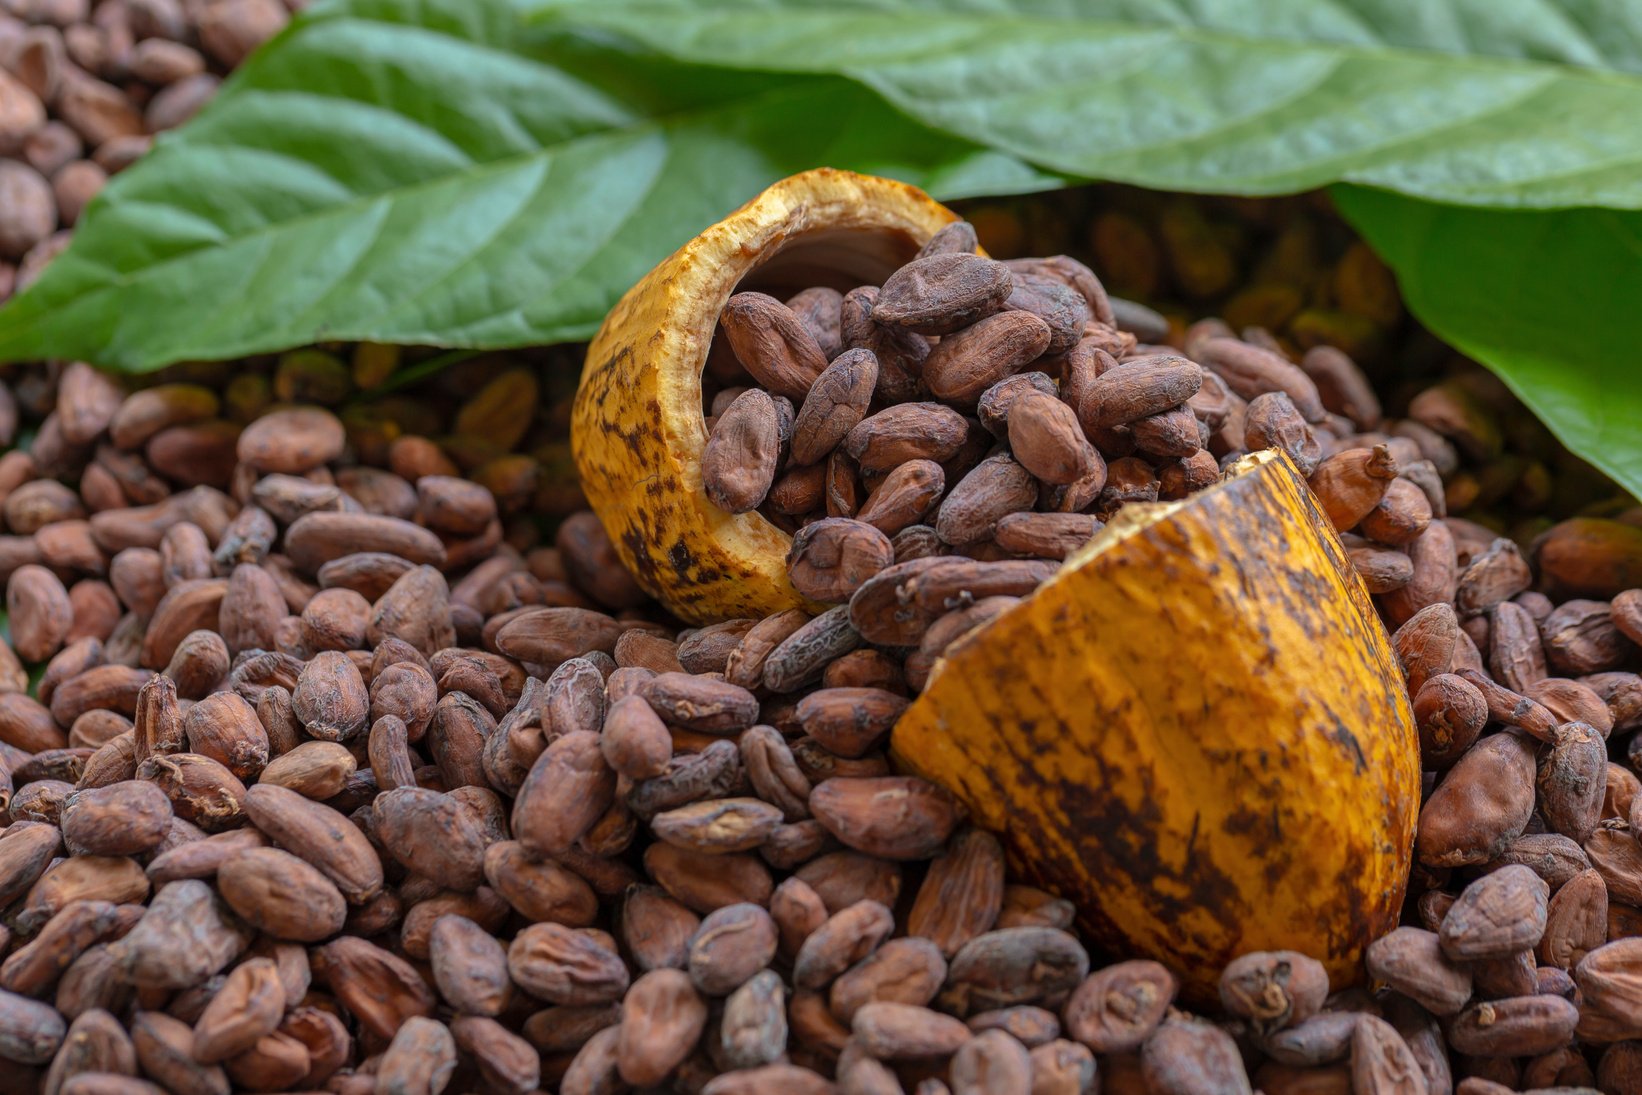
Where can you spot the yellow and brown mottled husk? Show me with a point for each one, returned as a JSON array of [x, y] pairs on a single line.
[[1196, 731], [637, 429]]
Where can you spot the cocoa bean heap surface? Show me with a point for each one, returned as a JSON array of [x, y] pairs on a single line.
[[328, 767]]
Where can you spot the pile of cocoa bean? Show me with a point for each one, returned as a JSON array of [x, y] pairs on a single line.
[[1288, 265], [1027, 389], [85, 86], [1292, 269], [993, 412], [331, 765]]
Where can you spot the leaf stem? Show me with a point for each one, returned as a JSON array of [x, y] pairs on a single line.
[[404, 378]]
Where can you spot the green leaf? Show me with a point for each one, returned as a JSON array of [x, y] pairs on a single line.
[[1518, 105], [433, 171], [1549, 300], [1530, 103]]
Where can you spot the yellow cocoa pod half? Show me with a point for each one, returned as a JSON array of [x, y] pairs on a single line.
[[637, 430], [1196, 731]]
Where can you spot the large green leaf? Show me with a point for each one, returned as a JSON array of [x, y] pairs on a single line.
[[1519, 105], [1550, 300], [1483, 102], [431, 171]]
